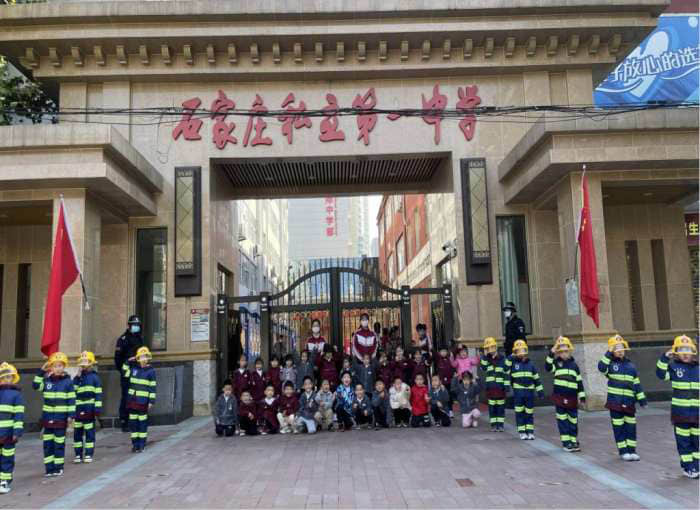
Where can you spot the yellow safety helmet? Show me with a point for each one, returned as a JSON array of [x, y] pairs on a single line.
[[9, 370], [562, 344], [86, 359], [144, 352], [490, 344], [520, 347], [58, 357], [617, 343], [683, 344]]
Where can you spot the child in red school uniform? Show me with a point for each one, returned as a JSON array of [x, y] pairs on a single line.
[[256, 382], [444, 368], [274, 375], [384, 371], [268, 408], [401, 367], [288, 408], [247, 415], [241, 377], [328, 367], [420, 403], [420, 364]]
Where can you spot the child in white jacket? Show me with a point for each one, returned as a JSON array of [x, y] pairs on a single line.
[[400, 401]]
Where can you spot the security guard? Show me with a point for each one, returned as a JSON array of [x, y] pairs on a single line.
[[515, 327], [567, 391], [58, 410], [680, 366], [142, 395], [624, 392], [127, 345], [497, 380], [525, 382], [11, 422], [88, 405]]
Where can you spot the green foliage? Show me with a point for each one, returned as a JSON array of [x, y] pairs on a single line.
[[22, 100]]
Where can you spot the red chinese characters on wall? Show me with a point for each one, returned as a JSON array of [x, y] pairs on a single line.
[[329, 125], [293, 120], [436, 104], [365, 121], [189, 127], [293, 116], [468, 100], [259, 123], [221, 130], [330, 223]]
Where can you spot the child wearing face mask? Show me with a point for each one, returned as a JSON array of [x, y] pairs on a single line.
[[364, 341], [315, 343]]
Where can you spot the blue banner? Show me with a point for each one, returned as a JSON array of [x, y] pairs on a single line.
[[665, 67]]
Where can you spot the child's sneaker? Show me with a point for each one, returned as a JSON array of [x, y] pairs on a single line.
[[626, 456], [689, 473], [451, 413], [634, 456], [58, 473], [494, 428], [4, 487], [694, 474], [475, 423], [569, 448], [87, 460], [501, 429], [530, 436], [576, 447], [263, 433], [49, 475], [523, 436], [438, 424], [77, 460]]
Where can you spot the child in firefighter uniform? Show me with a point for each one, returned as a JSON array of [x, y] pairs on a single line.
[[624, 392], [11, 423], [497, 380], [525, 382], [142, 396], [88, 405], [566, 392], [57, 412], [680, 366]]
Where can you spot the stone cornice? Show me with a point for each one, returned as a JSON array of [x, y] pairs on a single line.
[[500, 38]]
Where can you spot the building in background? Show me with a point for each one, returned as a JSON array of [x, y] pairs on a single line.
[[328, 227], [263, 242]]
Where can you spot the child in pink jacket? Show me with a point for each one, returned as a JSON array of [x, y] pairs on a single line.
[[463, 363]]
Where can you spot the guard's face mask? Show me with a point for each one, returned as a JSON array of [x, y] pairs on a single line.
[[508, 314], [134, 328]]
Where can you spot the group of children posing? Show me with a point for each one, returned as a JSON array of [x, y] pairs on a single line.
[[377, 394], [70, 400]]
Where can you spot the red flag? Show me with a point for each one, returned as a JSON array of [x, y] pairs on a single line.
[[590, 297], [64, 271]]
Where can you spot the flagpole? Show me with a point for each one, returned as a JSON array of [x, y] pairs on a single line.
[[75, 256], [578, 226]]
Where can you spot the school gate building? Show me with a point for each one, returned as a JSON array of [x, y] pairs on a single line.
[[150, 195]]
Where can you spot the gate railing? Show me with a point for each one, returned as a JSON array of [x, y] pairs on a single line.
[[334, 289]]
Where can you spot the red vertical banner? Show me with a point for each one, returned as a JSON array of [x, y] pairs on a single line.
[[330, 222], [589, 292], [64, 271]]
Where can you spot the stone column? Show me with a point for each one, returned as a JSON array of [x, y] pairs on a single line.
[[79, 326], [590, 342]]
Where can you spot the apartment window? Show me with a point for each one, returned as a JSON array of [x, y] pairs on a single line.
[[391, 265], [416, 223], [24, 291], [658, 262], [634, 285], [400, 255], [513, 276], [151, 284]]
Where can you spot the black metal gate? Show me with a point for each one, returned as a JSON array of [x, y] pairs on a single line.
[[337, 296]]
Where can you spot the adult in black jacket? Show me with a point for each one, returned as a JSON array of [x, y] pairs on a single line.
[[515, 327], [126, 347]]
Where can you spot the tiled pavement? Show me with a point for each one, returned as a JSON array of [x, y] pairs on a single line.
[[186, 466]]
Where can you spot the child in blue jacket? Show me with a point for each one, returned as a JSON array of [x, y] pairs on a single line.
[[57, 412], [11, 423], [88, 405], [624, 392]]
